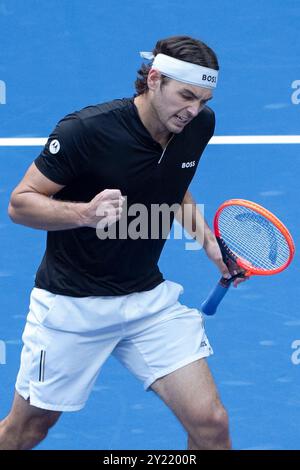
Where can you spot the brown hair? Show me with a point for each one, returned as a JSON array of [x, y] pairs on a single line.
[[180, 47]]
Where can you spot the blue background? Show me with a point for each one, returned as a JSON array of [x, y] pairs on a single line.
[[58, 56]]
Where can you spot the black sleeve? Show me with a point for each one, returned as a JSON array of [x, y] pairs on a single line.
[[210, 120], [65, 155], [201, 130]]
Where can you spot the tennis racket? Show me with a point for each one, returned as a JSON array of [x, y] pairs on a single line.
[[254, 239]]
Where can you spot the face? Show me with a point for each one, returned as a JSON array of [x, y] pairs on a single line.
[[175, 103]]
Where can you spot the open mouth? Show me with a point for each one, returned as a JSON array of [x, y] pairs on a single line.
[[181, 119]]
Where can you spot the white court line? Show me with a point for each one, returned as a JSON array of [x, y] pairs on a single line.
[[216, 140], [22, 141]]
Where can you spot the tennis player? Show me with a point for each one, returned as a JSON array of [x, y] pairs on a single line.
[[97, 296]]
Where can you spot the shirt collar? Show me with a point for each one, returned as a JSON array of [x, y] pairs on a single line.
[[140, 130]]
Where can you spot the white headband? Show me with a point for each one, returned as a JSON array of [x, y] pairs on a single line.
[[183, 71]]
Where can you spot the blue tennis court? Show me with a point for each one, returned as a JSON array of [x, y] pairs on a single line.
[[59, 56]]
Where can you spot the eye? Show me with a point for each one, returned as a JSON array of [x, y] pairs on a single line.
[[186, 97]]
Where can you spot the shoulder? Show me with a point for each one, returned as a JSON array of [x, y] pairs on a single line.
[[206, 119], [103, 111], [88, 119], [201, 128]]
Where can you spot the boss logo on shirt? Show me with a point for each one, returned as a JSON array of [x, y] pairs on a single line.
[[188, 164], [54, 147]]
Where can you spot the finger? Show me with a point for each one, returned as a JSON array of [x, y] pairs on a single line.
[[224, 269], [108, 208], [107, 221], [108, 195], [238, 281], [111, 194], [111, 203], [110, 212]]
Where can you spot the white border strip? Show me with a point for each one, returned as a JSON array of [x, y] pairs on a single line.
[[255, 139], [216, 140]]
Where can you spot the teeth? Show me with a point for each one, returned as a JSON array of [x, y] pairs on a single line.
[[181, 118]]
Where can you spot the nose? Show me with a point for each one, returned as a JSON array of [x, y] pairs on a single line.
[[194, 109]]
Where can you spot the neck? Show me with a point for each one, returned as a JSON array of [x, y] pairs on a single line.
[[150, 120]]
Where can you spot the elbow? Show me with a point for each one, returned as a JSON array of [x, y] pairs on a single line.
[[12, 210]]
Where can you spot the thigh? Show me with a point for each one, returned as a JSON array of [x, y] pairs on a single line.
[[66, 341], [190, 392], [168, 339]]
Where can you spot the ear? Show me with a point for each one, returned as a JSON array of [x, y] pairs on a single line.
[[153, 79]]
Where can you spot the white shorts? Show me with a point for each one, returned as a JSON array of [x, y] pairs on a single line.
[[67, 340]]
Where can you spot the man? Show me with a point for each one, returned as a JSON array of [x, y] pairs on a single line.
[[93, 296]]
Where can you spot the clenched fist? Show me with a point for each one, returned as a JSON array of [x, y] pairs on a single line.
[[104, 209]]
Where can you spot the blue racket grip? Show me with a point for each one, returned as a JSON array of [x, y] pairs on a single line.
[[210, 305]]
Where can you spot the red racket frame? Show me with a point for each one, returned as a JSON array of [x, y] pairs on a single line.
[[250, 270]]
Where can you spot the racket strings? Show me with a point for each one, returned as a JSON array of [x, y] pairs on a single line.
[[253, 237]]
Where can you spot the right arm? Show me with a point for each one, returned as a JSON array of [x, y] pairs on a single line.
[[31, 205]]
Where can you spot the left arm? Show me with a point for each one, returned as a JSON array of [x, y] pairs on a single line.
[[194, 223]]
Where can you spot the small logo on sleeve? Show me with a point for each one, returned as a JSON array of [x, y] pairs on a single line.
[[188, 164], [54, 147]]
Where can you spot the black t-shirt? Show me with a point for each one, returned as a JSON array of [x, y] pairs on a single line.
[[107, 147]]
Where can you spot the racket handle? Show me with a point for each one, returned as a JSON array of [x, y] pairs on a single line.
[[210, 305]]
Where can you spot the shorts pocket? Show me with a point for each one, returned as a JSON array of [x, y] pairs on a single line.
[[166, 295], [41, 304], [175, 289]]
